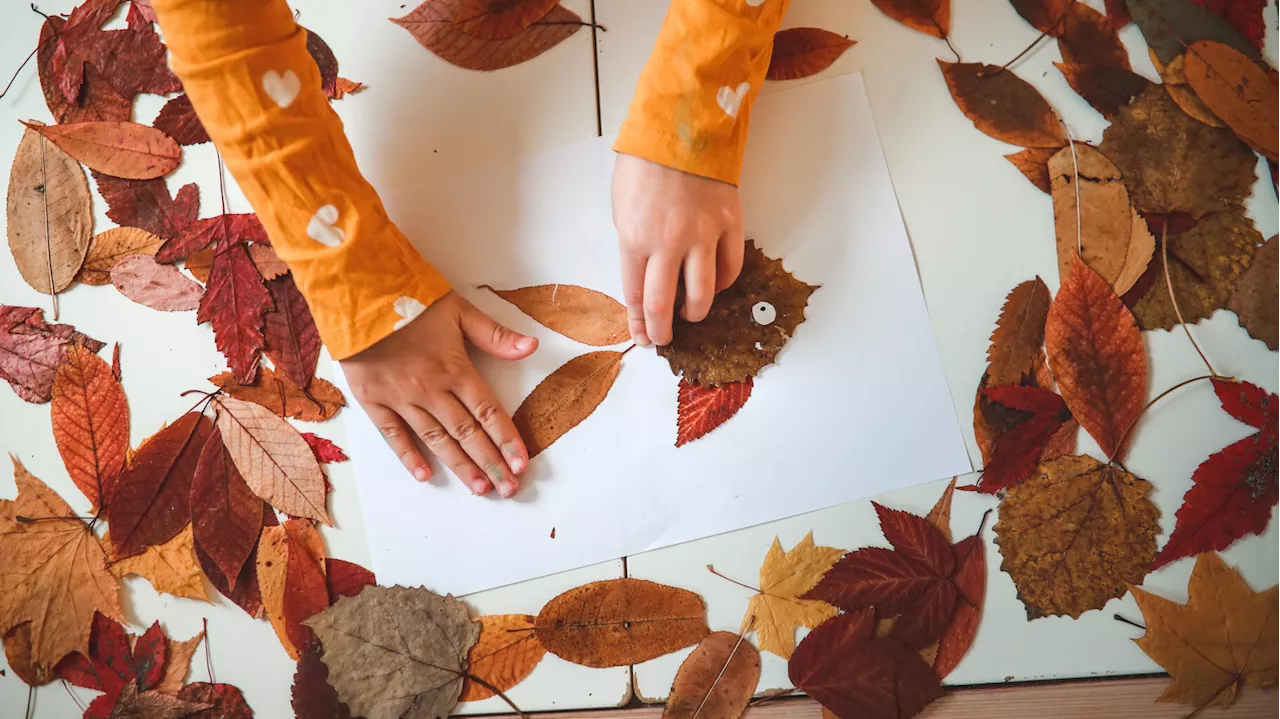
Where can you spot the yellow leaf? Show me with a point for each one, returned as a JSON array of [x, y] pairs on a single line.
[[778, 610], [171, 567]]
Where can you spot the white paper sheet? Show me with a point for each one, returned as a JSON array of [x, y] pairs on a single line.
[[856, 404]]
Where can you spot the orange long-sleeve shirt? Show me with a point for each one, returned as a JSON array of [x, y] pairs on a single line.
[[245, 67]]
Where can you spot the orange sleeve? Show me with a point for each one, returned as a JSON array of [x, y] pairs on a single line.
[[245, 66], [693, 102]]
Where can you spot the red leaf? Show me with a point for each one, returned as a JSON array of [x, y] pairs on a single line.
[[246, 593], [116, 148], [141, 13], [970, 580], [226, 701], [178, 120], [305, 595], [107, 666], [917, 539], [1245, 15], [226, 516], [220, 231], [1248, 403], [346, 579], [96, 100], [1018, 451], [150, 502], [324, 450], [702, 409], [236, 302], [291, 338], [133, 61], [432, 25], [1118, 13], [874, 577], [148, 657], [312, 695], [31, 350], [147, 204]]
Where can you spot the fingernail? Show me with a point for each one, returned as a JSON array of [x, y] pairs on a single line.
[[641, 339], [514, 460], [508, 489], [524, 343], [422, 474]]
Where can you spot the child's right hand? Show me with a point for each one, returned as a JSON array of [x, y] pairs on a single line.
[[669, 221]]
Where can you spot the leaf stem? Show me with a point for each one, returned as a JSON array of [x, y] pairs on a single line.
[[947, 40], [48, 229], [1168, 283], [1128, 430], [20, 519], [1130, 622], [1035, 42], [471, 677], [712, 568], [775, 695], [982, 523]]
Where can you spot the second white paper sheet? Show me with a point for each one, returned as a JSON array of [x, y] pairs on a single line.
[[855, 405]]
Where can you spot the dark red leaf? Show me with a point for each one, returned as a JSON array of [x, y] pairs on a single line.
[[148, 204], [1019, 450], [144, 10], [108, 666], [236, 302], [31, 350], [1248, 403], [312, 695], [1089, 39], [133, 61], [245, 594], [115, 361], [1245, 15], [178, 120], [226, 515], [96, 100], [702, 409], [324, 450], [326, 61], [1118, 13], [346, 579], [220, 231], [917, 539], [305, 595], [226, 701], [970, 580], [923, 622], [874, 577], [292, 340], [150, 652]]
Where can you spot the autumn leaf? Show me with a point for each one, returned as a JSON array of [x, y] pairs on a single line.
[[49, 214], [178, 663], [213, 232], [346, 87], [1244, 15], [716, 680], [273, 458], [345, 579], [1075, 534], [364, 649], [1175, 83], [113, 245], [616, 622], [854, 675], [223, 701], [931, 17], [1238, 91], [321, 401], [90, 421], [506, 653], [1003, 105], [153, 705], [31, 351], [1170, 25], [702, 409], [782, 606], [54, 575], [1117, 13], [235, 302], [970, 579], [1088, 38], [1044, 15], [17, 651], [1019, 334], [178, 120], [291, 340], [113, 661], [1254, 298], [1107, 88], [120, 149], [306, 593], [1033, 163], [149, 503], [96, 100], [581, 314], [269, 264], [160, 287], [272, 566], [499, 19], [565, 398], [803, 51], [226, 515], [432, 25], [311, 694], [147, 204], [243, 591], [171, 568], [1018, 451], [324, 450], [292, 582]]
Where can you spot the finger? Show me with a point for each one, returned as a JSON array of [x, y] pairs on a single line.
[[463, 427], [400, 439], [437, 439], [699, 283], [729, 256], [480, 401], [633, 292], [486, 334], [660, 278]]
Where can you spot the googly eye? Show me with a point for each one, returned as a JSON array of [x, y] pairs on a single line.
[[763, 313]]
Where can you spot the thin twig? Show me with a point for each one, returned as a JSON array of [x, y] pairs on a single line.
[[1028, 48], [1128, 430], [48, 228], [947, 40], [208, 653], [497, 691], [595, 68], [20, 519], [1173, 300], [1130, 622], [711, 568]]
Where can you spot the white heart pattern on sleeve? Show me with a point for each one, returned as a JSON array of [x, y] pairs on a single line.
[[408, 308], [756, 3], [322, 228], [282, 88], [730, 100]]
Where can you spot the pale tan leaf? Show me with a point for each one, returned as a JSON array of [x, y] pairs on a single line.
[[778, 611], [578, 313], [49, 214], [565, 398], [273, 458], [1107, 220], [269, 264], [110, 247], [178, 663]]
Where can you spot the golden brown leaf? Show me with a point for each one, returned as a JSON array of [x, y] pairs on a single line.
[[432, 25], [778, 611], [171, 568], [1254, 299], [17, 651], [346, 87], [271, 390], [110, 247], [90, 421], [1033, 163], [1019, 334], [199, 263], [273, 458], [716, 680], [506, 653], [1003, 105], [1075, 534], [581, 314], [1238, 91], [120, 149], [565, 398], [803, 51], [931, 17], [617, 622], [500, 19], [49, 214], [940, 515], [1175, 83], [1088, 38], [1222, 638], [177, 663]]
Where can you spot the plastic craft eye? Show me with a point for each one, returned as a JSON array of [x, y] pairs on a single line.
[[763, 313]]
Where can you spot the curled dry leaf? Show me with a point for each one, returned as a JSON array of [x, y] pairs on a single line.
[[1105, 87], [160, 287], [500, 19], [1175, 82], [1088, 38], [376, 671], [171, 568], [432, 25], [1238, 91], [1075, 535], [178, 120], [110, 247], [931, 17], [617, 622], [702, 409], [225, 514], [716, 680], [273, 458], [1254, 298], [565, 398], [506, 653], [1170, 25], [1044, 15], [1015, 343], [783, 605], [120, 149], [803, 51], [578, 313], [320, 402], [31, 351], [90, 421], [1003, 105], [49, 214]]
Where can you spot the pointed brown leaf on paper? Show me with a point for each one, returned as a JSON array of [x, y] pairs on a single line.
[[1089, 39], [90, 421], [110, 247], [31, 351], [376, 672], [803, 51], [178, 120], [506, 653], [565, 398], [147, 204], [1170, 25], [271, 390], [171, 568], [291, 340], [1047, 16], [160, 287], [1222, 639], [1254, 298], [499, 19], [225, 514], [931, 17], [716, 680], [1075, 534], [781, 607], [701, 409], [1003, 105], [273, 458], [432, 25], [1106, 87], [178, 664], [1175, 82], [617, 622], [584, 315], [120, 149], [1019, 334], [1033, 163], [1238, 91], [49, 214]]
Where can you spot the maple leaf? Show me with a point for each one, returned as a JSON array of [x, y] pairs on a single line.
[[49, 214], [54, 574], [702, 409], [803, 51], [1238, 91], [90, 421], [312, 695], [321, 401], [1088, 38], [1232, 492], [1018, 451], [31, 350], [506, 652], [273, 458], [783, 605], [147, 204], [1244, 15], [178, 120], [160, 287], [120, 149], [110, 246], [931, 17], [1106, 88], [115, 661], [1003, 105], [345, 579], [325, 450], [581, 314], [432, 25], [1222, 638], [1170, 25], [365, 649], [236, 302], [616, 622], [291, 340], [221, 701], [171, 568], [215, 232], [499, 19], [716, 680], [565, 398], [1254, 298]]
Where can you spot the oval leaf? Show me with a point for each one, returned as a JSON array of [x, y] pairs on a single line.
[[1003, 105], [226, 515], [273, 458], [1044, 15], [1169, 25], [1105, 87], [49, 212], [620, 621], [507, 652], [931, 17], [432, 25], [565, 398], [584, 315], [1174, 76], [716, 680], [1089, 39], [113, 245], [803, 51], [90, 421], [120, 149], [1238, 91], [970, 579], [500, 19], [1015, 343], [290, 337], [160, 287], [702, 409]]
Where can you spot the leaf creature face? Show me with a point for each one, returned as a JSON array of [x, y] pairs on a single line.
[[748, 324]]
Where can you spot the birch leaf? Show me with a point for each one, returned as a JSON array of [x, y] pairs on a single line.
[[49, 214]]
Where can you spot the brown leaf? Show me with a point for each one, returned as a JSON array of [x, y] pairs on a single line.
[[940, 515], [931, 17], [272, 566], [1003, 105], [1175, 82], [1019, 334], [506, 653], [320, 402], [178, 120], [1075, 534], [160, 287], [120, 149], [133, 704], [344, 87], [716, 680], [499, 19], [1106, 87], [1089, 39], [565, 398], [273, 458], [171, 568], [1170, 25], [269, 264], [17, 651], [90, 421], [178, 663], [225, 514], [1097, 356], [31, 351], [1254, 299], [1238, 91], [584, 315], [803, 51], [49, 214], [1044, 15], [617, 622], [1033, 163], [432, 25], [113, 245], [292, 342]]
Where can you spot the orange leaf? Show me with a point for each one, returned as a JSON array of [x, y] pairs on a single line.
[[432, 25], [940, 515], [500, 19], [90, 421], [506, 653], [119, 149], [1089, 39], [716, 680], [171, 568], [320, 402], [565, 398], [1238, 91], [273, 458], [1044, 15], [160, 287], [1019, 333], [1003, 105], [1096, 354], [177, 663], [931, 17], [803, 51], [590, 317], [110, 247]]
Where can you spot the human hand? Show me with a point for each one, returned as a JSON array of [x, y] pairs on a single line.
[[418, 382], [669, 221]]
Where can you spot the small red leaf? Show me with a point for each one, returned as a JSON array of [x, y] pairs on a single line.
[[702, 409], [1248, 403], [178, 120], [292, 342], [224, 700], [31, 351], [324, 450], [346, 579], [147, 204], [970, 579], [236, 302], [226, 516], [917, 539], [1019, 450]]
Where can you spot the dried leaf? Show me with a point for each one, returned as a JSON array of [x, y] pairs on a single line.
[[171, 568], [970, 579], [1244, 15], [292, 342], [499, 19], [273, 458], [49, 214], [803, 51], [1003, 105], [31, 350], [178, 664], [432, 25], [269, 264], [305, 593], [346, 87], [236, 302], [1222, 638], [311, 695], [1254, 298], [506, 653], [1044, 15], [178, 120], [1088, 38], [243, 590], [1170, 25], [90, 421], [326, 62], [578, 313], [784, 603], [160, 287], [1075, 535], [617, 622], [565, 398], [146, 204], [376, 672], [324, 450], [96, 100], [132, 703], [1117, 13], [1019, 334], [716, 680], [120, 149], [272, 568], [1033, 163], [222, 701], [1105, 87], [345, 579], [225, 514], [108, 663], [1018, 451], [1175, 83], [1238, 91], [702, 409], [940, 515], [320, 402], [17, 651], [931, 17], [110, 247]]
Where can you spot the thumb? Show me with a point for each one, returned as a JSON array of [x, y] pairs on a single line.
[[486, 334]]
